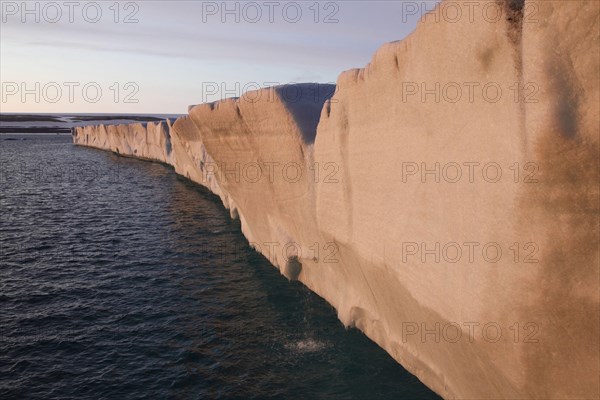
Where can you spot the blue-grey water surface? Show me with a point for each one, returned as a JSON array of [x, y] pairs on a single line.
[[121, 280]]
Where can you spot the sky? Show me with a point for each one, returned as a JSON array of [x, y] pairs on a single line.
[[161, 56]]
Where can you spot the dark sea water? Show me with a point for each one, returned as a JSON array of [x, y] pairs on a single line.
[[121, 280]]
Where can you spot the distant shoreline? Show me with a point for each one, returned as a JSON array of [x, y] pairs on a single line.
[[38, 123], [32, 130], [10, 117]]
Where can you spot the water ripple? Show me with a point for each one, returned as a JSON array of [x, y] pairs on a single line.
[[136, 284]]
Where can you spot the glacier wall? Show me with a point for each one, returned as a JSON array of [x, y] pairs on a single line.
[[460, 233]]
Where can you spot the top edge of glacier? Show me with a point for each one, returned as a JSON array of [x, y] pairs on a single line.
[[287, 93]]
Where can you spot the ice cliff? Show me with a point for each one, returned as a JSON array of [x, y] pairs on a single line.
[[459, 233]]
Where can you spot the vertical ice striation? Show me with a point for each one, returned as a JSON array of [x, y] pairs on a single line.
[[365, 185]]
